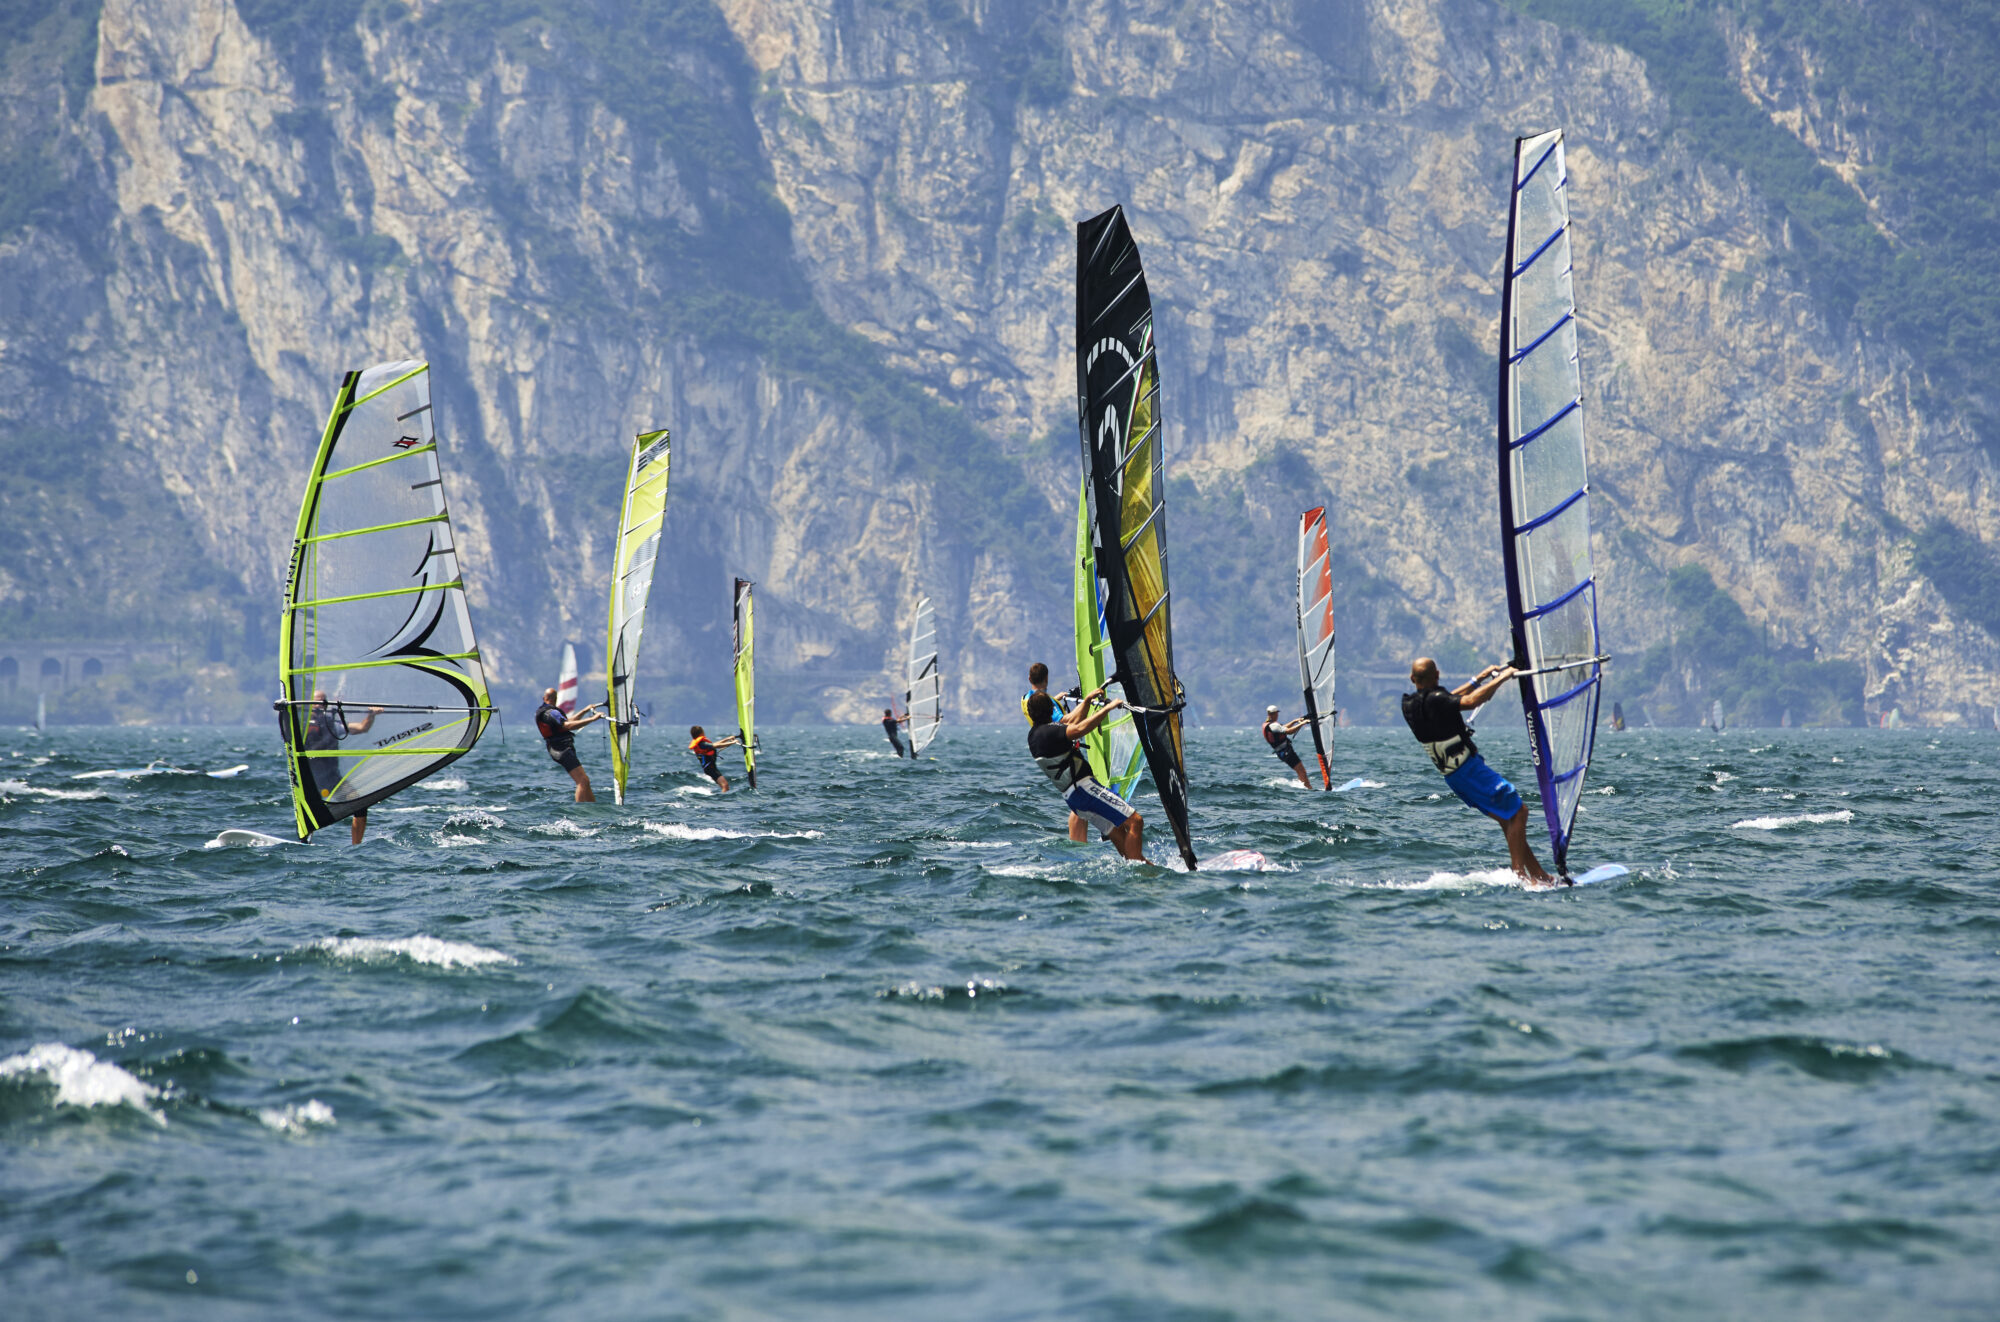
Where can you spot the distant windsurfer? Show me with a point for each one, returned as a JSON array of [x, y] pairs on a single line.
[[1436, 716], [1279, 737], [1053, 745], [889, 723], [1064, 704], [704, 750], [326, 726], [558, 731]]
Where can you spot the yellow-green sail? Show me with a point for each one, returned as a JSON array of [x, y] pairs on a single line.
[[1116, 758], [746, 680], [375, 616], [640, 516]]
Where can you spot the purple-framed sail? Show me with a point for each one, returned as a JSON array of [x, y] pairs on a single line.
[[1544, 489]]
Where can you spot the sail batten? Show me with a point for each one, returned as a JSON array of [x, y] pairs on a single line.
[[743, 635], [924, 698], [1315, 629], [1124, 484], [641, 514], [1545, 489], [375, 616]]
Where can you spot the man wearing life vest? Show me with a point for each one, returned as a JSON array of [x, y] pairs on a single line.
[[1064, 704], [1436, 716], [705, 749], [1279, 737], [889, 723], [1053, 745], [558, 730]]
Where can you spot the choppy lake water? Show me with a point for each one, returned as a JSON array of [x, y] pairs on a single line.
[[877, 1042]]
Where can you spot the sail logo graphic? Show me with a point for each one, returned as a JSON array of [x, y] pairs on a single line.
[[407, 442], [1111, 427]]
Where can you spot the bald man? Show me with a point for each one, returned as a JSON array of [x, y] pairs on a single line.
[[1436, 716]]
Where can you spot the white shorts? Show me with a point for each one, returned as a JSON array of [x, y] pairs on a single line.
[[1094, 803]]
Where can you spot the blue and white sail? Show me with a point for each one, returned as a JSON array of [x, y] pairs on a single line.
[[1544, 489]]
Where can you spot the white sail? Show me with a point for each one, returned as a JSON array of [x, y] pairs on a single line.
[[924, 698], [566, 681], [1315, 622]]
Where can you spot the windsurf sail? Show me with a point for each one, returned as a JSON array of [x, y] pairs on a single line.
[[1124, 478], [640, 516], [924, 698], [1715, 716], [566, 681], [746, 680], [381, 674], [1113, 749], [1544, 490], [1315, 618]]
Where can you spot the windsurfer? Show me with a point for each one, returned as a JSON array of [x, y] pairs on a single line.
[[1053, 745], [558, 732], [326, 726], [889, 723], [705, 749], [1436, 716], [1279, 737], [1064, 704]]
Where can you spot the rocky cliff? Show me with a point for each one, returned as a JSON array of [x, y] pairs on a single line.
[[830, 246]]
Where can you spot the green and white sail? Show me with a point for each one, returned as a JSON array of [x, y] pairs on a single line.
[[1113, 748], [746, 678], [640, 516], [375, 614]]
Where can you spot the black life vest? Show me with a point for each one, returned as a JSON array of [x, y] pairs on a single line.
[[1058, 756], [1438, 722]]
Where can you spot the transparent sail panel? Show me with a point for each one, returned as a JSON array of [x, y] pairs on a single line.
[[382, 677], [1546, 516]]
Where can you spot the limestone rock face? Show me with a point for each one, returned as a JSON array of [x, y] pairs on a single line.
[[1318, 190]]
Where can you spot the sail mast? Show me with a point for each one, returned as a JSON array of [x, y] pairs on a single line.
[[1544, 490], [1117, 386]]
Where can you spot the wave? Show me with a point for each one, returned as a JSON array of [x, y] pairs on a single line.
[[445, 783], [81, 1079], [1780, 823], [1448, 881], [8, 787], [297, 1119], [564, 828], [417, 949], [678, 831]]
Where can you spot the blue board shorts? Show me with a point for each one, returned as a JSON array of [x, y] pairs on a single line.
[[1094, 803], [1485, 789]]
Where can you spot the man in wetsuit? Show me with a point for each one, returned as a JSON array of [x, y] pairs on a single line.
[[705, 749], [326, 726], [1038, 682], [559, 737], [1279, 737], [1436, 716], [889, 723], [1052, 744]]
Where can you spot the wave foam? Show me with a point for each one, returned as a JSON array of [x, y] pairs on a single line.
[[417, 949], [476, 819], [564, 828], [1780, 823], [445, 783], [297, 1119], [677, 831], [23, 787], [1449, 881], [81, 1079]]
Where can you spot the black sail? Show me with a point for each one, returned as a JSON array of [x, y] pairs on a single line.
[[1118, 396]]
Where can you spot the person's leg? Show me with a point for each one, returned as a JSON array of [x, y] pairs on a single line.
[[357, 826], [721, 780], [1079, 831], [1299, 769], [582, 779], [1519, 854], [1129, 839]]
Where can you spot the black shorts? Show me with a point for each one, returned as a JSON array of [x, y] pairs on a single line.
[[566, 758], [1289, 756], [710, 769]]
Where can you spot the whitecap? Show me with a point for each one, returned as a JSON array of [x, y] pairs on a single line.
[[8, 787], [477, 818], [564, 828], [81, 1079], [445, 783], [297, 1119], [240, 837], [677, 831], [1448, 881], [417, 949], [1722, 777], [1803, 819], [698, 789]]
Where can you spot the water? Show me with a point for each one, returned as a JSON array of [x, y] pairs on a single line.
[[876, 1042]]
